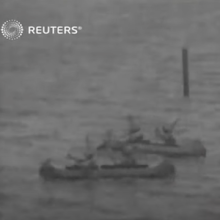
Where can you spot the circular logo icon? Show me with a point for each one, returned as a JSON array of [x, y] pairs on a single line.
[[12, 29]]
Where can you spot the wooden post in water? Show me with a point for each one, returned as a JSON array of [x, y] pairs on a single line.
[[185, 72]]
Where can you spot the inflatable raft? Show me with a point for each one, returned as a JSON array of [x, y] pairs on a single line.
[[161, 170], [186, 148]]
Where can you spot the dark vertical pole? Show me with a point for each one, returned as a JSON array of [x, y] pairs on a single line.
[[185, 72]]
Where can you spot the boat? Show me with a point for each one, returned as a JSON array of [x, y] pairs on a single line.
[[49, 171], [166, 145], [193, 148], [185, 148]]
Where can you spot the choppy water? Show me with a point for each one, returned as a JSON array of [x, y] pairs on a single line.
[[127, 59]]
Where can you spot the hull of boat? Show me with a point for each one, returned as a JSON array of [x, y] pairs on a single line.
[[162, 170], [187, 148], [193, 148]]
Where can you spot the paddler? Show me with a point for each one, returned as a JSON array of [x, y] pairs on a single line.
[[113, 147], [88, 161], [134, 131], [128, 157], [109, 140], [165, 133]]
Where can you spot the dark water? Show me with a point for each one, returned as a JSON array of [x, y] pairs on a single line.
[[127, 59]]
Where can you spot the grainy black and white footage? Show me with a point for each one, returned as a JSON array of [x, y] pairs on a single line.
[[62, 92]]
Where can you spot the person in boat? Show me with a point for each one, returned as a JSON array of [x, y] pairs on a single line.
[[114, 146], [108, 141], [166, 134], [88, 161], [128, 158], [134, 131], [134, 135]]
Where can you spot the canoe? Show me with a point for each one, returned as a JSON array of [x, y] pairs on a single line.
[[185, 148], [161, 170]]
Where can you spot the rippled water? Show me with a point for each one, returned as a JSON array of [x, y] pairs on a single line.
[[127, 59]]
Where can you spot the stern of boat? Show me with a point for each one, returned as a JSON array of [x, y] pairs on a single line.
[[46, 170], [165, 169], [199, 148]]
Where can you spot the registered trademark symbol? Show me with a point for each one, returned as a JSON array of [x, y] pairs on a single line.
[[80, 28]]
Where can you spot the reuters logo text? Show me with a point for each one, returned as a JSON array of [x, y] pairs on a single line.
[[13, 30]]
